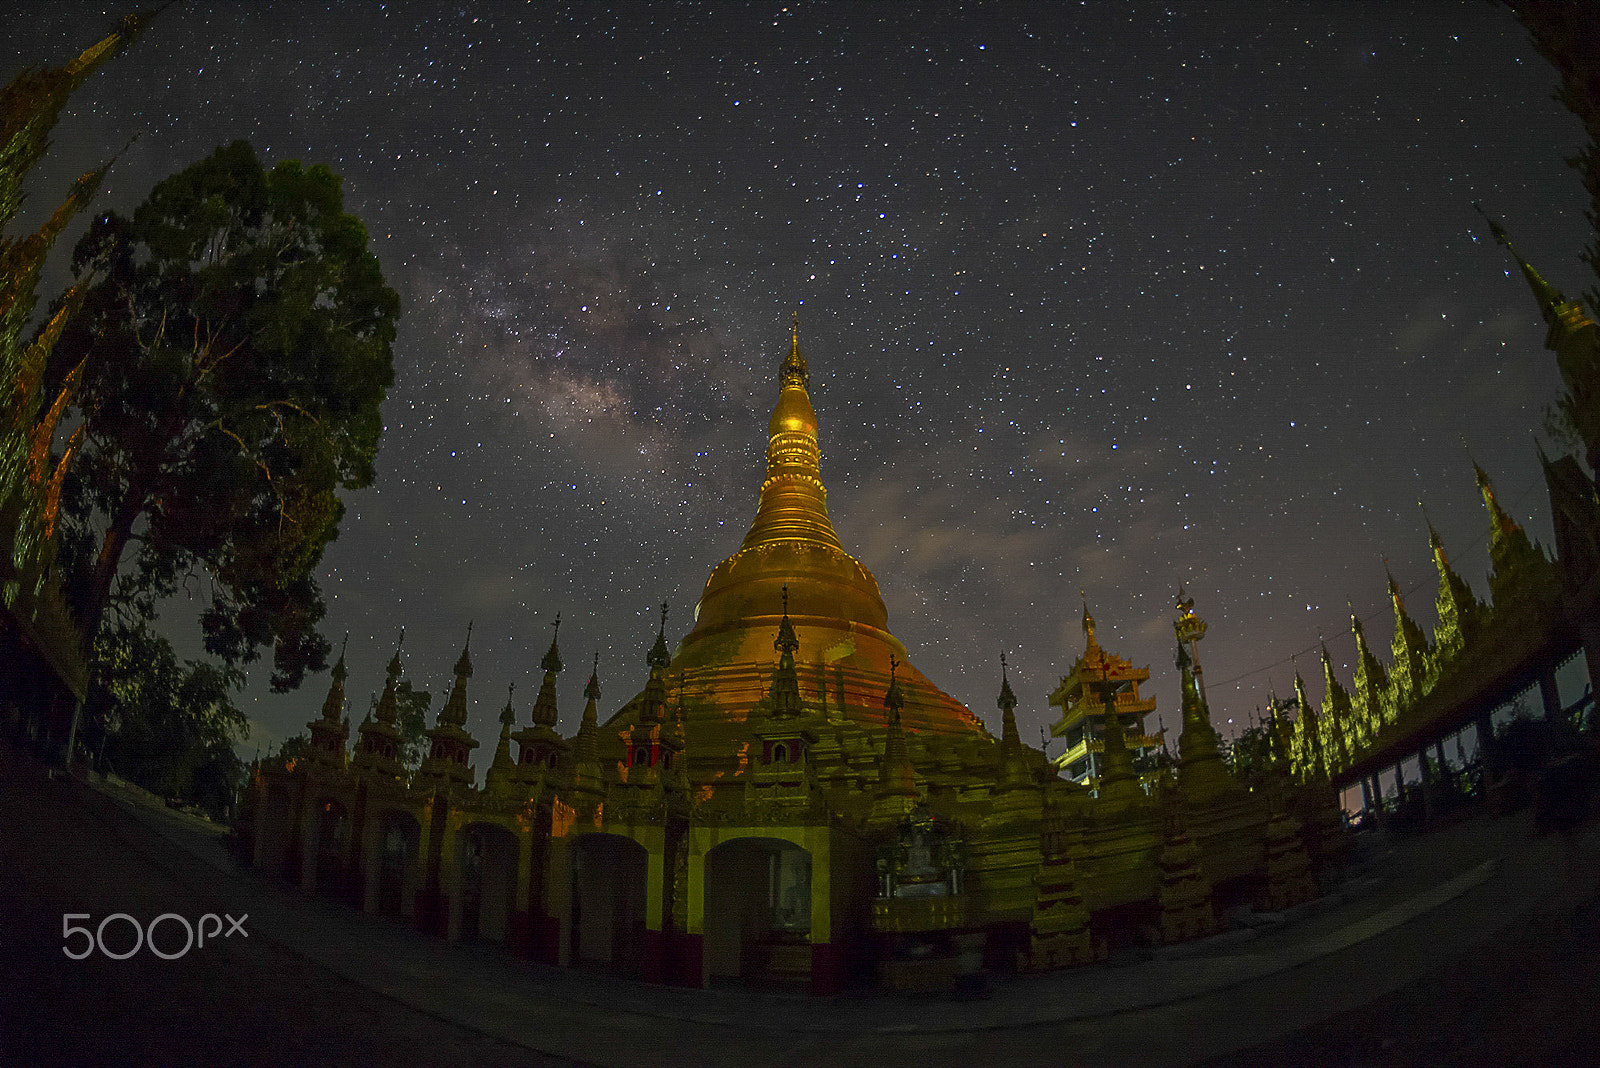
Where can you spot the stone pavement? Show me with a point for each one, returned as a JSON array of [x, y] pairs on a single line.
[[320, 982]]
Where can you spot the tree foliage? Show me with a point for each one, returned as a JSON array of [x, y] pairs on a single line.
[[238, 343], [411, 718], [164, 724]]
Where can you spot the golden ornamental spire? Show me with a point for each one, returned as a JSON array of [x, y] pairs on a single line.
[[794, 364], [1554, 306], [794, 502]]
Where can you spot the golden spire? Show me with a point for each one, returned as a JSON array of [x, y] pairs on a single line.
[[1551, 301], [454, 711], [794, 364], [388, 705], [544, 705], [794, 503], [333, 705], [1090, 646], [896, 776]]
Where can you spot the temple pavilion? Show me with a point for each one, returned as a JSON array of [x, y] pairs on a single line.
[[1083, 714]]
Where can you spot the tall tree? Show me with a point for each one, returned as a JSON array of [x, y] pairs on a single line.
[[238, 348]]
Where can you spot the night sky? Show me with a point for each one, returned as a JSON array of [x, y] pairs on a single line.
[[1103, 298]]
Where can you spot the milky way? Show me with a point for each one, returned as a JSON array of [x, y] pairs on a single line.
[[1104, 298]]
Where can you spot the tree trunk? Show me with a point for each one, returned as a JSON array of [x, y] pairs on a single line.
[[104, 575]]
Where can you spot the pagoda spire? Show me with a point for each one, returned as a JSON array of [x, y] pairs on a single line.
[[1515, 560], [379, 748], [794, 365], [1409, 650], [794, 502], [896, 776], [450, 745], [1336, 713], [331, 730], [35, 98], [785, 689], [1308, 734], [655, 691], [586, 744], [503, 764], [1200, 766], [1573, 338], [1549, 298], [1459, 611], [1091, 647], [333, 704], [388, 705], [1371, 686], [1013, 761], [454, 711], [544, 706]]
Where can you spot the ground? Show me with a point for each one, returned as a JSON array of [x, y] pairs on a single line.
[[1469, 946]]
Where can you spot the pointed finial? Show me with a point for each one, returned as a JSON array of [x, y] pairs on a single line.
[[659, 656], [340, 673], [1549, 297], [794, 371], [507, 715], [552, 656], [592, 691], [1495, 228], [1007, 699], [786, 643], [892, 700], [394, 661]]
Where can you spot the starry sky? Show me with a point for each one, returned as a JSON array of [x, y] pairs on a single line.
[[1101, 298]]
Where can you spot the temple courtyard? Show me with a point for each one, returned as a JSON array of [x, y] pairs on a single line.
[[1474, 943]]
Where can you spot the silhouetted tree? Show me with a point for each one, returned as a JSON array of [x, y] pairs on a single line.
[[164, 724], [238, 348]]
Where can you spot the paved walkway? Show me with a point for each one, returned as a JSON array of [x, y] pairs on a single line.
[[319, 981]]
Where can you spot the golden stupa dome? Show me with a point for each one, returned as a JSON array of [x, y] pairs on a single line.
[[833, 601]]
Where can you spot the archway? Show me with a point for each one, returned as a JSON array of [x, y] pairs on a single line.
[[758, 909], [487, 855], [608, 902], [399, 839]]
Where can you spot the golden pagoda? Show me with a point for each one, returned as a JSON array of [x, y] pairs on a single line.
[[786, 798], [834, 606], [1083, 711]]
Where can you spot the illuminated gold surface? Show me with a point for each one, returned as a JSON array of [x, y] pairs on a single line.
[[834, 603]]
